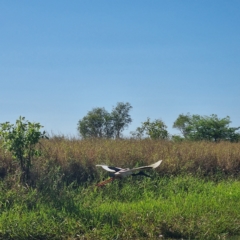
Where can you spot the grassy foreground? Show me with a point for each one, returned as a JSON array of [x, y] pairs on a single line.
[[176, 207], [194, 194]]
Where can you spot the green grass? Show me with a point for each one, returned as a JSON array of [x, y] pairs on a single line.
[[185, 206], [194, 194]]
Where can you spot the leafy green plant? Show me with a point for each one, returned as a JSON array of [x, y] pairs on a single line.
[[21, 139]]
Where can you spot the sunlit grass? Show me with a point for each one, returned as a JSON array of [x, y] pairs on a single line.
[[174, 207]]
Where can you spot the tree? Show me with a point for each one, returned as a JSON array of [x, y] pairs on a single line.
[[120, 118], [210, 128], [20, 139], [183, 123], [96, 124], [155, 130]]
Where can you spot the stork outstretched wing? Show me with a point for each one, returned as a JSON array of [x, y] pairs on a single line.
[[117, 169], [154, 165]]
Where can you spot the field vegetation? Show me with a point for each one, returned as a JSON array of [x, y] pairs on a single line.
[[194, 194]]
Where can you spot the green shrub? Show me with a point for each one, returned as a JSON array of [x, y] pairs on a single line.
[[20, 139]]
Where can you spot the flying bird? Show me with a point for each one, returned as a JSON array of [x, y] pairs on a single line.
[[118, 173]]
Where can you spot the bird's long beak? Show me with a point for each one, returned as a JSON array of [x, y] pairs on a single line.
[[105, 182]]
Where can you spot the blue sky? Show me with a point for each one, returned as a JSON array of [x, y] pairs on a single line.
[[60, 59]]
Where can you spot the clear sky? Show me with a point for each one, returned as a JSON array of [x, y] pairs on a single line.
[[59, 59]]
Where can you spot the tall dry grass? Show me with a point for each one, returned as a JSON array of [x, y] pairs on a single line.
[[75, 160]]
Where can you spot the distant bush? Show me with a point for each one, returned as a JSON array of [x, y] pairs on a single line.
[[208, 128]]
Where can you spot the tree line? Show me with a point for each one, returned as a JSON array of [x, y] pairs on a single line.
[[98, 123], [21, 138]]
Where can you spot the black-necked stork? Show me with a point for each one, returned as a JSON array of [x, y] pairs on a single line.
[[117, 172]]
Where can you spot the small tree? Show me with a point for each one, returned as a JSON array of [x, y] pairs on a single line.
[[120, 118], [155, 130], [183, 123], [96, 124], [20, 139]]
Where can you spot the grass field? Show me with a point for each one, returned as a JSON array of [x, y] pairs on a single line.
[[194, 194]]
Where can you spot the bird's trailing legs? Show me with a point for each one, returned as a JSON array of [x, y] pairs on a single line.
[[113, 178], [105, 182]]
